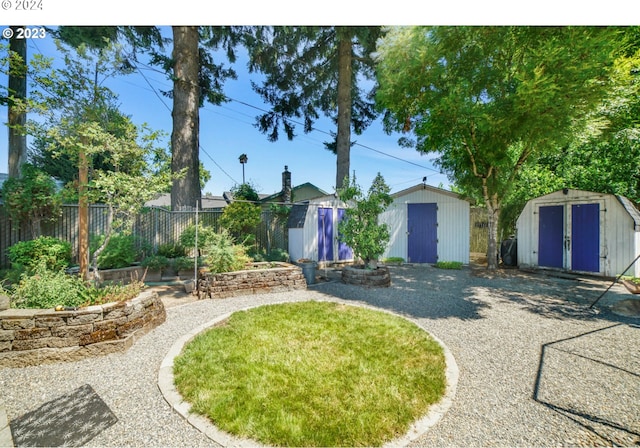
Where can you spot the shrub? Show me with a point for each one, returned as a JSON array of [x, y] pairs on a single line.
[[183, 263], [172, 250], [223, 255], [188, 236], [119, 253], [53, 252], [241, 219], [361, 230], [155, 262], [449, 264], [274, 255], [47, 288]]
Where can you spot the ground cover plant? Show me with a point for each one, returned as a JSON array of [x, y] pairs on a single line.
[[45, 288], [449, 265], [312, 374]]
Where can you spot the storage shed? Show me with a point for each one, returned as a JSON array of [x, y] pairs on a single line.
[[313, 231], [579, 231], [427, 224]]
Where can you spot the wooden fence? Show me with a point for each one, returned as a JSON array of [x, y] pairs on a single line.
[[479, 234], [155, 226]]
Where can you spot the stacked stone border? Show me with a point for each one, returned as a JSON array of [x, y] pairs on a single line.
[[260, 278], [379, 277], [32, 337]]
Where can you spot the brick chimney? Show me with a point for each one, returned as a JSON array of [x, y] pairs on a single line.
[[286, 185]]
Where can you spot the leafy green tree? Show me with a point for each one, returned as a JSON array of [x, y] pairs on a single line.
[[360, 229], [489, 99], [312, 71], [604, 162], [81, 120], [31, 199]]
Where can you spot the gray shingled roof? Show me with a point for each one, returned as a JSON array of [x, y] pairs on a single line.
[[297, 216]]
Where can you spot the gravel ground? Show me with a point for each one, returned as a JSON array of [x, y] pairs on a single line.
[[537, 367]]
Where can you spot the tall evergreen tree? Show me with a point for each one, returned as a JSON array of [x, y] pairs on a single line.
[[17, 116], [311, 71]]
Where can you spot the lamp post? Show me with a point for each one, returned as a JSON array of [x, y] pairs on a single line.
[[243, 159]]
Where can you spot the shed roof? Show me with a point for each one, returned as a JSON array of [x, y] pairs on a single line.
[[424, 186], [297, 216], [632, 210]]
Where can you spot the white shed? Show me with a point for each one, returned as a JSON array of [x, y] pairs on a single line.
[[428, 224], [313, 231], [579, 231]]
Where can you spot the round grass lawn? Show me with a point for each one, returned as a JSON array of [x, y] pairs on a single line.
[[312, 374]]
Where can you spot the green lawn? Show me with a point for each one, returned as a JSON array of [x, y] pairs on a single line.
[[312, 374]]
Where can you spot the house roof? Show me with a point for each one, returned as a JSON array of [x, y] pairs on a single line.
[[208, 202], [277, 196]]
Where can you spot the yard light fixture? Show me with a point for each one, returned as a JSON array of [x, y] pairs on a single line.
[[243, 159]]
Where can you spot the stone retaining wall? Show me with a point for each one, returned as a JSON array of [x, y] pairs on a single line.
[[282, 277], [32, 337], [366, 277]]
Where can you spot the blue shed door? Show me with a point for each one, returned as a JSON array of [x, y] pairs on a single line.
[[551, 236], [585, 237], [344, 251], [325, 234], [422, 227]]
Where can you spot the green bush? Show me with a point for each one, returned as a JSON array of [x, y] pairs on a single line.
[[53, 252], [274, 255], [188, 236], [223, 255], [183, 263], [155, 262], [449, 265], [172, 250], [46, 288], [119, 253]]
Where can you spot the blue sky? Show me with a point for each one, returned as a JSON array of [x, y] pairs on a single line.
[[228, 130]]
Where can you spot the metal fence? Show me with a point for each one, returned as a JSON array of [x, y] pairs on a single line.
[[154, 226]]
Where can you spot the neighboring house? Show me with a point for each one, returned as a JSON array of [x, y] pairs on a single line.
[[298, 194], [427, 224], [209, 202], [579, 231]]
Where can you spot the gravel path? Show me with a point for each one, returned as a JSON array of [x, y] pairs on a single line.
[[537, 367]]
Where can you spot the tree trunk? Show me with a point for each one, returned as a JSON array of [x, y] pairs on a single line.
[[16, 117], [345, 79], [492, 249], [185, 191]]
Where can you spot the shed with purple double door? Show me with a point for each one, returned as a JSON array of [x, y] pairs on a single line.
[[579, 231], [313, 231], [428, 224]]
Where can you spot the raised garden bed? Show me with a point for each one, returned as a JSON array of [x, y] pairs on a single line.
[[32, 337], [258, 278], [356, 275]]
